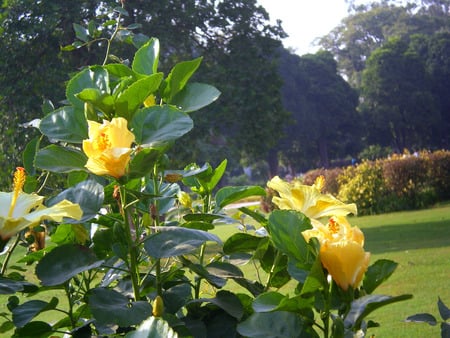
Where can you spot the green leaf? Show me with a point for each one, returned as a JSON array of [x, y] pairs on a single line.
[[268, 301], [70, 234], [10, 286], [444, 311], [205, 226], [89, 195], [195, 96], [29, 155], [228, 195], [80, 32], [111, 307], [241, 242], [363, 306], [209, 218], [227, 301], [146, 58], [60, 159], [102, 101], [120, 70], [278, 324], [224, 270], [25, 312], [143, 162], [66, 124], [92, 77], [134, 95], [34, 329], [377, 273], [178, 78], [153, 328], [422, 318], [316, 279], [158, 124], [64, 262], [176, 241], [286, 227]]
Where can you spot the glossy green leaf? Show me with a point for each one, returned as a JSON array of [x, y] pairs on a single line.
[[158, 124], [146, 58], [111, 307], [224, 270], [422, 318], [70, 234], [80, 32], [268, 301], [102, 101], [277, 324], [176, 241], [34, 329], [227, 301], [92, 77], [178, 78], [377, 273], [143, 162], [64, 262], [89, 195], [362, 307], [205, 226], [444, 311], [134, 95], [209, 218], [60, 159], [286, 227], [66, 124], [25, 312], [29, 155], [202, 272], [11, 286], [195, 96], [120, 70], [241, 242], [228, 195], [316, 279], [153, 328]]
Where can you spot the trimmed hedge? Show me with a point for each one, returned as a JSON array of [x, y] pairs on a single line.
[[401, 182]]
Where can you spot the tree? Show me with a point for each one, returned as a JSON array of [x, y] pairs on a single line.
[[396, 99], [323, 106], [221, 32]]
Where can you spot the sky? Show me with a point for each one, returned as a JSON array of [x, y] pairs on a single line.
[[305, 20]]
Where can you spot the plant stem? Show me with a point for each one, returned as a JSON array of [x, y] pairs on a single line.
[[272, 270], [8, 255], [132, 248]]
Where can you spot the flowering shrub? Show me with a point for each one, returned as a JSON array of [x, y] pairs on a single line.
[[130, 236], [331, 179], [364, 184]]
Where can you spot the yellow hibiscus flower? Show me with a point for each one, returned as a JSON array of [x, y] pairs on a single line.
[[19, 210], [108, 147], [308, 199], [341, 251]]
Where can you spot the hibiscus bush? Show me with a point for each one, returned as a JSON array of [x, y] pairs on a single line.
[[129, 238]]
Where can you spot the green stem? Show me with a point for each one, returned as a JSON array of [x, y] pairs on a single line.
[[8, 255], [156, 185], [132, 247], [272, 270], [109, 41], [325, 315]]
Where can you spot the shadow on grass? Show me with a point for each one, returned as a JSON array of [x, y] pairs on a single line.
[[400, 237]]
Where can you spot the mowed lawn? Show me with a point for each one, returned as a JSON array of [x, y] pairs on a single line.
[[419, 241]]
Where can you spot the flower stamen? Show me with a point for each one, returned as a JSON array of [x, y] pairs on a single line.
[[18, 183], [333, 226]]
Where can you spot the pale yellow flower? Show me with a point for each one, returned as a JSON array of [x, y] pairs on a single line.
[[109, 147], [341, 251], [308, 199], [19, 210], [184, 199]]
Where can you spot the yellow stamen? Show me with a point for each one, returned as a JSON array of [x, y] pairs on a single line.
[[18, 183], [103, 142], [333, 226], [319, 183]]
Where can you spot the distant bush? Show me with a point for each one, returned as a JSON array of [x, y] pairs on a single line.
[[364, 185], [439, 173], [331, 182]]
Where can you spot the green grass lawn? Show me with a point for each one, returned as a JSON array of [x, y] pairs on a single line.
[[419, 241]]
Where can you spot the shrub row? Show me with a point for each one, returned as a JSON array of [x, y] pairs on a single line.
[[400, 182]]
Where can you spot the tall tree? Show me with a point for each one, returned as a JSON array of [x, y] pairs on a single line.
[[396, 99], [323, 106], [235, 38]]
